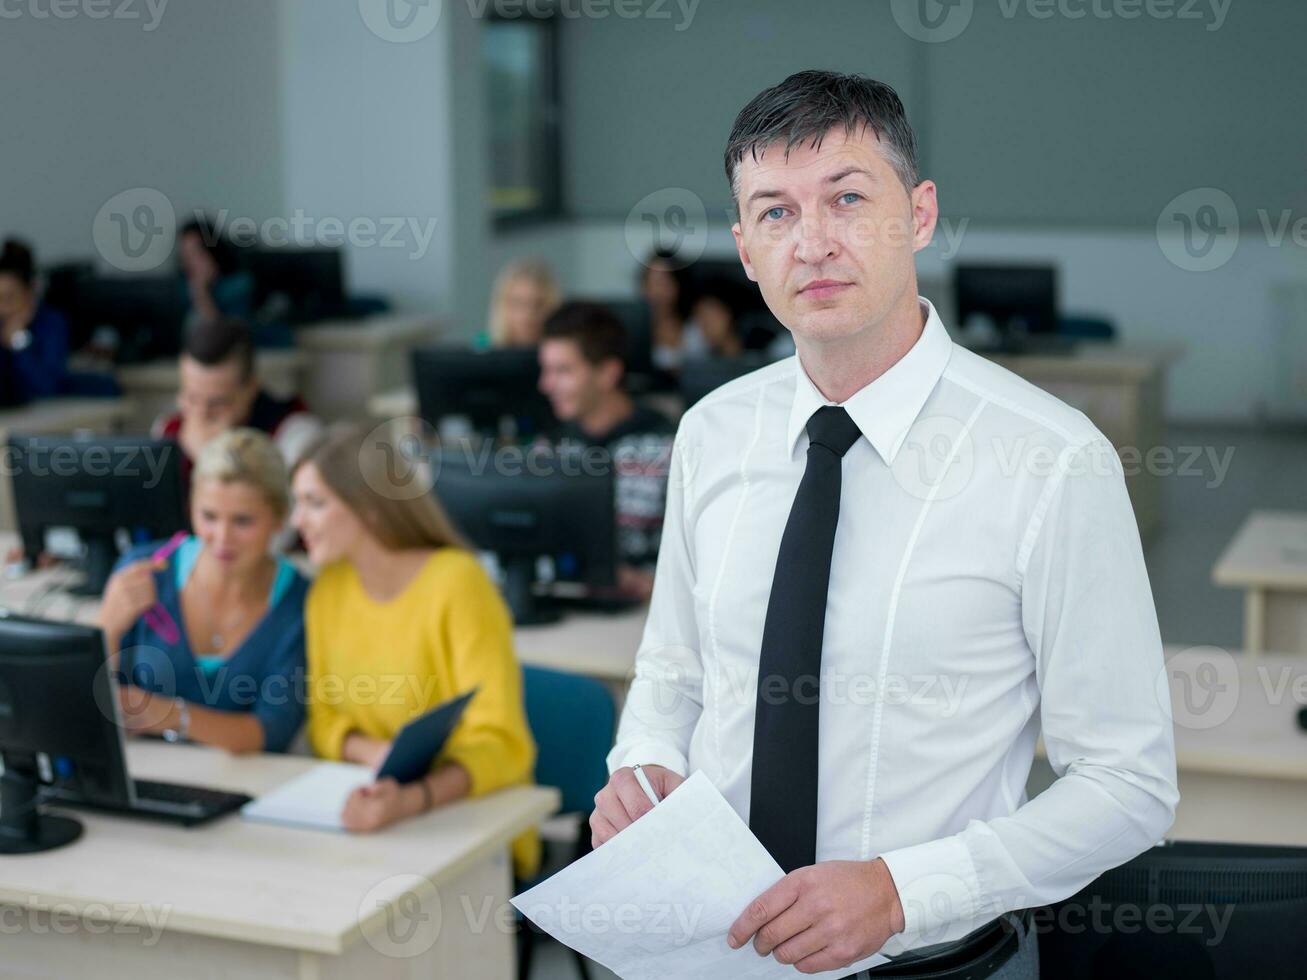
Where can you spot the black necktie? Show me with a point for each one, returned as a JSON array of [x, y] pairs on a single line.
[[783, 801]]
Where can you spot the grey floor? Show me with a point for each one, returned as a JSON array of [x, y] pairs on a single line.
[[1201, 511]]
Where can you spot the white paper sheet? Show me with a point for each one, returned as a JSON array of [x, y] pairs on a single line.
[[656, 901], [314, 799]]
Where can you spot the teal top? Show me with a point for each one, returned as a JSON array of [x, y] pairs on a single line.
[[184, 563]]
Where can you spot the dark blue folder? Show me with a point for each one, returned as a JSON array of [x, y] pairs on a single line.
[[421, 740]]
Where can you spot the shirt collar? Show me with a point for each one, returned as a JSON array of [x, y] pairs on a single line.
[[885, 409]]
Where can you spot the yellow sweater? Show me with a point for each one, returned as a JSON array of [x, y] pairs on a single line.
[[373, 666]]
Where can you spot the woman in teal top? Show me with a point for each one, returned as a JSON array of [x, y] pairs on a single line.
[[207, 631]]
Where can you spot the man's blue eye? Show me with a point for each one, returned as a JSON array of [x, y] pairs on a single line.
[[850, 194], [773, 211]]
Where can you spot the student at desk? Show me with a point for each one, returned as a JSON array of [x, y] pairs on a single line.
[[582, 373], [215, 285], [210, 635], [401, 618], [33, 336], [220, 391]]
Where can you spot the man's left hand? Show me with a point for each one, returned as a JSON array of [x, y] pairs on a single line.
[[823, 917]]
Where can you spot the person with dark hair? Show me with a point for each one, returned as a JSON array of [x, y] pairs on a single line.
[[855, 532], [220, 391], [216, 286], [716, 305], [582, 371], [664, 287], [33, 335]]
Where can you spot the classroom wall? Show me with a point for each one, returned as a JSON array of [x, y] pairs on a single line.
[[184, 103]]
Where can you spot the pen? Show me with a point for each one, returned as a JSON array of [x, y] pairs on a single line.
[[645, 785], [157, 616]]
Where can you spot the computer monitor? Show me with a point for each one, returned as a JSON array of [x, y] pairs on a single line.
[[524, 505], [1019, 300], [700, 375], [56, 700], [97, 485], [147, 313], [297, 285], [489, 388], [1183, 909]]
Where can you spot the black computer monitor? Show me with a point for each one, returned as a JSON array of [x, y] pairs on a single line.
[[489, 388], [1183, 909], [97, 485], [56, 700], [524, 505], [1020, 300], [700, 375], [147, 313], [297, 285]]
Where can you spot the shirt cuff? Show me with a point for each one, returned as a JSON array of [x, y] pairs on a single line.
[[937, 885], [648, 753]]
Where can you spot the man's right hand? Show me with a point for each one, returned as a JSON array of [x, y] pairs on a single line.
[[623, 801]]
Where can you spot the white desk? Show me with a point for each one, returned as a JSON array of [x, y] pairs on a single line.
[[55, 416], [1268, 560], [394, 403], [152, 387], [424, 898], [352, 360]]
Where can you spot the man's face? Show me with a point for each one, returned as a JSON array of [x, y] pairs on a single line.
[[215, 395], [829, 234], [572, 384]]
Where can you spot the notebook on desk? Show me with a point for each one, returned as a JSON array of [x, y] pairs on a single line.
[[316, 798]]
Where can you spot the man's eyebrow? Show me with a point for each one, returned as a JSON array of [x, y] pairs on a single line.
[[834, 178]]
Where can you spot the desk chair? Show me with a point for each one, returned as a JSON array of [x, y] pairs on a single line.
[[573, 721]]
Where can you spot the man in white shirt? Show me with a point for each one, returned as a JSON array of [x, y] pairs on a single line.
[[982, 578]]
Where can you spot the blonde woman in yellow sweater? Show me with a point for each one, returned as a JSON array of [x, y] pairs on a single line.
[[400, 618]]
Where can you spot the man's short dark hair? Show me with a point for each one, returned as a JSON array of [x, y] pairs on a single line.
[[222, 341], [593, 327], [807, 105]]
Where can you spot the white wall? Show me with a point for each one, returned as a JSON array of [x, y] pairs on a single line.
[[94, 107]]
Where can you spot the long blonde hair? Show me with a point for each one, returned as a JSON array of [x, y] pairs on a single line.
[[390, 495], [534, 271]]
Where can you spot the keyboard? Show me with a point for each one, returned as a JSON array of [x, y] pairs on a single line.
[[173, 802]]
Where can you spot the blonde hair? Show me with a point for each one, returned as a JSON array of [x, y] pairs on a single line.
[[399, 511], [535, 271], [250, 457]]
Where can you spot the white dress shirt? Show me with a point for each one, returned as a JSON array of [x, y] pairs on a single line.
[[987, 583]]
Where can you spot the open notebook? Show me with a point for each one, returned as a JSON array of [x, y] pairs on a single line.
[[316, 798]]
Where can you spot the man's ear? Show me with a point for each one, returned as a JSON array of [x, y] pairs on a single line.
[[610, 373], [925, 214], [743, 251]]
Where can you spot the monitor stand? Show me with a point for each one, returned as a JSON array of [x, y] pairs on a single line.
[[97, 566], [24, 829], [519, 592]]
